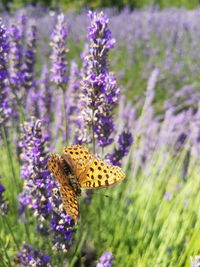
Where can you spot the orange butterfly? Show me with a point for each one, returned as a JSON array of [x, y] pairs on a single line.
[[77, 168]]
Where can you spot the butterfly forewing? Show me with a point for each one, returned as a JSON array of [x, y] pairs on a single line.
[[100, 174], [90, 171], [78, 158], [67, 193]]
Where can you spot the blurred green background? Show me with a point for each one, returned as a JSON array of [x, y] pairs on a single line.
[[119, 4]]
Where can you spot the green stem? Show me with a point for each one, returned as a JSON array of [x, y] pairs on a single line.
[[26, 227], [93, 138], [6, 254], [64, 108], [78, 250], [21, 110], [9, 156], [11, 231]]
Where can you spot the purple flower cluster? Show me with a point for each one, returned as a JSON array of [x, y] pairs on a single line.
[[195, 261], [124, 143], [58, 44], [29, 257], [106, 260], [16, 61], [29, 58], [45, 100], [3, 203], [72, 97], [5, 109], [100, 92], [40, 187]]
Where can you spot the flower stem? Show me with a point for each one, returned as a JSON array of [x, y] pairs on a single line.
[[11, 231], [6, 254], [9, 156], [93, 138], [78, 250], [64, 107]]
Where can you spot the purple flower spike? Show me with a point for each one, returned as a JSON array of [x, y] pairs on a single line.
[[29, 257], [100, 92], [5, 109], [40, 193], [28, 70], [125, 141], [16, 53], [58, 44], [45, 100], [106, 260], [3, 203]]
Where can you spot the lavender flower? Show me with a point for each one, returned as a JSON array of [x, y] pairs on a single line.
[[3, 203], [72, 97], [5, 109], [195, 261], [45, 100], [58, 45], [29, 257], [106, 260], [99, 90], [28, 69], [15, 55], [125, 141], [40, 187]]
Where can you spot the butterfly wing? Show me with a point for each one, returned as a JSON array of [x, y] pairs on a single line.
[[78, 158], [100, 174], [67, 193], [90, 171]]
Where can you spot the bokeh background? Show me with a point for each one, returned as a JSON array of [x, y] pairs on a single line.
[[142, 61]]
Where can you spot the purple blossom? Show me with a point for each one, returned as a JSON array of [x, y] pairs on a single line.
[[72, 97], [29, 257], [5, 109], [29, 58], [3, 203], [59, 50], [16, 55], [124, 143], [45, 100], [40, 189], [195, 261], [106, 260], [99, 88]]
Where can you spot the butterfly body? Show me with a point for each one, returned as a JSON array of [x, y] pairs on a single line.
[[77, 168]]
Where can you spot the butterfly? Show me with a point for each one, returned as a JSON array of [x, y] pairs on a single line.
[[77, 168]]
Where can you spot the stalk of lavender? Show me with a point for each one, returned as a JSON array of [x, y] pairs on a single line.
[[99, 90], [15, 56], [124, 143], [106, 260], [5, 109], [72, 97], [45, 100], [29, 58], [23, 25], [195, 261], [39, 189], [58, 57], [3, 203], [29, 257]]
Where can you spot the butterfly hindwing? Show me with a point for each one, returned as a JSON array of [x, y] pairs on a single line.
[[68, 195]]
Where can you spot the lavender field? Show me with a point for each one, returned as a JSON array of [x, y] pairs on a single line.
[[126, 86]]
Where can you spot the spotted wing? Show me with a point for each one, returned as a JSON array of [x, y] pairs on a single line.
[[99, 174], [67, 193], [77, 158]]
